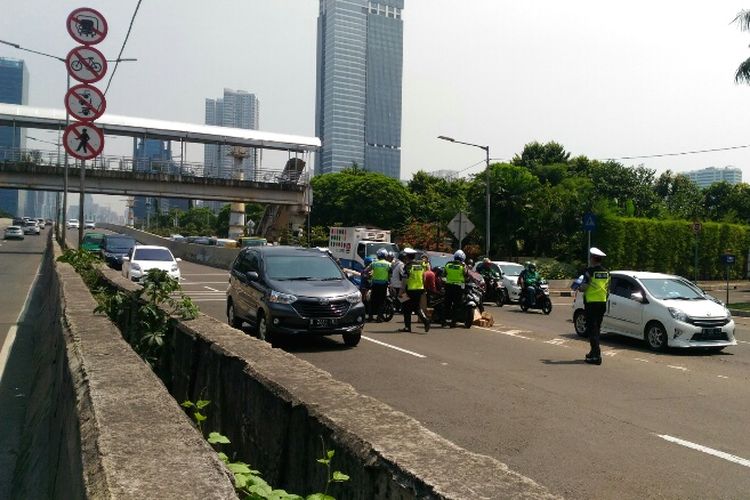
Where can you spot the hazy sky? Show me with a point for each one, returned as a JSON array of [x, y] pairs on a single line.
[[605, 79]]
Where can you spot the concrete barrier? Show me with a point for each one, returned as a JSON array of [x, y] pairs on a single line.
[[99, 423], [278, 410]]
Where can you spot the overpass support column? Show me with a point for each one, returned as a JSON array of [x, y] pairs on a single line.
[[237, 210]]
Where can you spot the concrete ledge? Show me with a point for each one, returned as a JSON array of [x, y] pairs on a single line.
[[276, 408]]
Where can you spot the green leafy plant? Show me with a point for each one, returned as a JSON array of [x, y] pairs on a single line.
[[85, 263]]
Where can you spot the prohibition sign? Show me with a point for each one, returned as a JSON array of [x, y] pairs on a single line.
[[86, 64], [83, 140], [87, 26], [85, 103]]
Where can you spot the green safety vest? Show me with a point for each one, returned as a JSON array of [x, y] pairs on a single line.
[[598, 285], [454, 273], [415, 278], [380, 270]]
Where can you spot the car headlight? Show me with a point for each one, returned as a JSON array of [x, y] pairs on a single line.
[[729, 313], [281, 298], [678, 314], [354, 297], [135, 267]]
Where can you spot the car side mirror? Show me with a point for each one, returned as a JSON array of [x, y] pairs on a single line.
[[178, 259], [252, 276], [126, 258], [637, 296]]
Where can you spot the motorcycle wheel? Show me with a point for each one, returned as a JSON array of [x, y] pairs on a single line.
[[469, 319], [523, 305], [500, 299], [388, 311], [547, 306]]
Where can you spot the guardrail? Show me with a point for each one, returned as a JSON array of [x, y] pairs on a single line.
[[150, 166]]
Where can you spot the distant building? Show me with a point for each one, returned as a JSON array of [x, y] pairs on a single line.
[[445, 174], [149, 154], [707, 176], [359, 76], [14, 89], [237, 109]]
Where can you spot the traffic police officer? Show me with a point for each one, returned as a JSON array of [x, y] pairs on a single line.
[[414, 274], [379, 272], [455, 277], [595, 287]]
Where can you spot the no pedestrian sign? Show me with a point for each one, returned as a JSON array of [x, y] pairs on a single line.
[[87, 26], [86, 64], [83, 140], [85, 103]]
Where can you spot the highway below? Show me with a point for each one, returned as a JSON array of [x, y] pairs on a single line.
[[642, 425]]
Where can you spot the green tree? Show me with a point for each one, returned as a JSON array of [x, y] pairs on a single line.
[[681, 196], [535, 154], [742, 75]]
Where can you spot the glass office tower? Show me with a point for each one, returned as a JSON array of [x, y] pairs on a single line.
[[237, 109], [14, 89], [358, 95]]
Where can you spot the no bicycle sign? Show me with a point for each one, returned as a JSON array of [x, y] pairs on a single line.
[[86, 64]]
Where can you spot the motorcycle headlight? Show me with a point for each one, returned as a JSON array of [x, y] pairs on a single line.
[[281, 298], [354, 297], [677, 314]]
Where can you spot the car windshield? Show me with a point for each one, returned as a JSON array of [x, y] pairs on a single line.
[[372, 248], [671, 289], [439, 260], [511, 269], [93, 238], [159, 254], [119, 244], [302, 267]]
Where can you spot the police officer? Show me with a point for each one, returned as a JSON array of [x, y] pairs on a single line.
[[379, 275], [455, 277], [414, 283], [595, 286]]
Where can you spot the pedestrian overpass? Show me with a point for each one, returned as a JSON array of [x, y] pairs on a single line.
[[33, 169]]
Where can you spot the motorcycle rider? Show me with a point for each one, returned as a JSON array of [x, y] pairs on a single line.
[[528, 280], [455, 278], [378, 271]]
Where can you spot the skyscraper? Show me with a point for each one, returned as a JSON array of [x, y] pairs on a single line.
[[707, 176], [238, 109], [14, 89], [358, 96]]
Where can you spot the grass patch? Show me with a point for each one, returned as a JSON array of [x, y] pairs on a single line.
[[742, 306]]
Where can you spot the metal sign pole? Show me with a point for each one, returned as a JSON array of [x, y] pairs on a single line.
[[81, 196], [588, 251]]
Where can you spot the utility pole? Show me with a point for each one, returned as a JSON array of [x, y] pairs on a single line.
[[237, 213]]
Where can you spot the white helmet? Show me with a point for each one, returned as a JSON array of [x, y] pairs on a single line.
[[382, 253], [596, 252], [459, 255]]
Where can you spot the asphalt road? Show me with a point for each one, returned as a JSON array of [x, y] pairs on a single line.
[[642, 425]]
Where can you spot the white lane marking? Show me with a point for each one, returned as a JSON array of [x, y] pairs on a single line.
[[722, 376], [610, 353], [509, 333], [642, 360], [705, 449], [674, 367], [191, 283], [416, 354], [557, 341], [743, 342], [208, 300], [205, 274], [11, 337], [211, 289]]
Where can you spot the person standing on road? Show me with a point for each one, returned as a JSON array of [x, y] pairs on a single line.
[[455, 279], [595, 288], [414, 283], [379, 272], [397, 280]]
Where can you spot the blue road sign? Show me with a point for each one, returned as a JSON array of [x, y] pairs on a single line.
[[589, 221], [728, 259]]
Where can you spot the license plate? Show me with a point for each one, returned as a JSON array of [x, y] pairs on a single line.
[[322, 323], [712, 331]]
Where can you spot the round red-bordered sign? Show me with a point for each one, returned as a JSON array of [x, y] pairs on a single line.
[[87, 26], [85, 103], [86, 64], [83, 140]]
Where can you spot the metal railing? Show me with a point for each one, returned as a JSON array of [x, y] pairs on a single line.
[[283, 175]]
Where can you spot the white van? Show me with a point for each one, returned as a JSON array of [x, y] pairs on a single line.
[[664, 310]]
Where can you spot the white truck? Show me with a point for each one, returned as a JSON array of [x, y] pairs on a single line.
[[352, 245]]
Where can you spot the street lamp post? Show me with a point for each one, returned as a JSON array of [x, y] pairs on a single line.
[[487, 187]]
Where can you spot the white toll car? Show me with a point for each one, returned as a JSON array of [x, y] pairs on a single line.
[[142, 258], [664, 310]]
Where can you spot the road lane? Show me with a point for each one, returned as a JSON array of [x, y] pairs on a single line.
[[519, 392]]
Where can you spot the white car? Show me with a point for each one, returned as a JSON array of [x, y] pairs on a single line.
[[89, 224], [72, 224], [142, 258], [509, 272], [664, 310], [31, 227]]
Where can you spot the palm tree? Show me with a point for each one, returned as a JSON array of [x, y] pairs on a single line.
[[743, 71]]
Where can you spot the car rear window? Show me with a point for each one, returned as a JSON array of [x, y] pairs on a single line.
[[118, 244], [301, 267], [158, 254], [93, 238]]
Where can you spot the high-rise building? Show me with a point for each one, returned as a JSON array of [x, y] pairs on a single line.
[[149, 154], [14, 89], [707, 176], [358, 96], [238, 109]]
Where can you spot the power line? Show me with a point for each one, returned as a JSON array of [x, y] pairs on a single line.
[[682, 153], [122, 49]]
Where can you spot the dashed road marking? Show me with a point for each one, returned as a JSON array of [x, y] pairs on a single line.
[[722, 376], [642, 360], [610, 353], [675, 367], [705, 449], [415, 354], [743, 342], [509, 333], [557, 341], [211, 289]]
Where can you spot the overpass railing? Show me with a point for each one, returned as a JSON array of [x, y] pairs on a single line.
[[283, 175]]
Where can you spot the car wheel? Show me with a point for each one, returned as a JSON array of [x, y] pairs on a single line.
[[547, 306], [656, 336], [232, 318], [352, 339], [579, 322]]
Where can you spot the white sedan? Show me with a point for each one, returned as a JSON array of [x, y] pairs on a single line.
[[72, 224], [142, 258], [664, 310]]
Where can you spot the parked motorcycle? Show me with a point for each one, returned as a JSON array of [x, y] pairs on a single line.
[[541, 298], [470, 302], [496, 291]]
